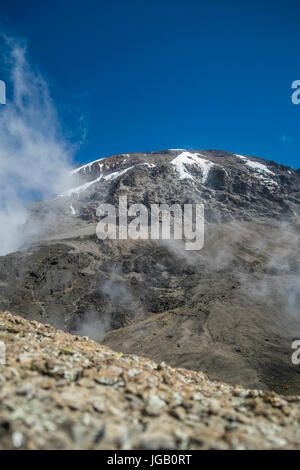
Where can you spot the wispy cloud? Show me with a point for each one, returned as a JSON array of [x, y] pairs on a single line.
[[35, 158]]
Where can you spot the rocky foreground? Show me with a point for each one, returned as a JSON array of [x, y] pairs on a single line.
[[59, 391]]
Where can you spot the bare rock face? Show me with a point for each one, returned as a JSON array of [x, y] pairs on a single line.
[[232, 187], [230, 309], [59, 391]]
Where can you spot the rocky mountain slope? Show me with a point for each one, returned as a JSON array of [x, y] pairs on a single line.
[[230, 309], [59, 391]]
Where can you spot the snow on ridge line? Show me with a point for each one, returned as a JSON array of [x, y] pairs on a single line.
[[84, 167], [110, 177], [259, 167], [85, 186], [240, 156], [89, 165], [116, 174], [188, 158]]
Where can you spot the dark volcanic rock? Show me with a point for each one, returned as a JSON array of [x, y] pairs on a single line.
[[230, 309]]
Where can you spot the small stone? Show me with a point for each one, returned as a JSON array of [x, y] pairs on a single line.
[[278, 441], [72, 399], [240, 392], [155, 405], [214, 406], [49, 426], [98, 405], [26, 390], [108, 376], [87, 419], [72, 375], [17, 439], [13, 371], [197, 396], [26, 358], [133, 372], [48, 383], [179, 413]]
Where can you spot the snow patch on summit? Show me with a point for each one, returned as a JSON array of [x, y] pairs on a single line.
[[261, 170], [186, 159], [259, 167]]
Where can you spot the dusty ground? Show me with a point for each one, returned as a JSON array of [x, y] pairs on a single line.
[[59, 391]]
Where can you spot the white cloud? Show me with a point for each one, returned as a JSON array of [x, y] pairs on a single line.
[[35, 159]]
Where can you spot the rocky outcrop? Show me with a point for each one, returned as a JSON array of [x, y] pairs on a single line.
[[59, 391]]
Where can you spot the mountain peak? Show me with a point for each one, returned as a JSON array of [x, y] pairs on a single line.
[[231, 186]]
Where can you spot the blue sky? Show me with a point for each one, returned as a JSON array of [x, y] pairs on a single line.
[[143, 76]]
